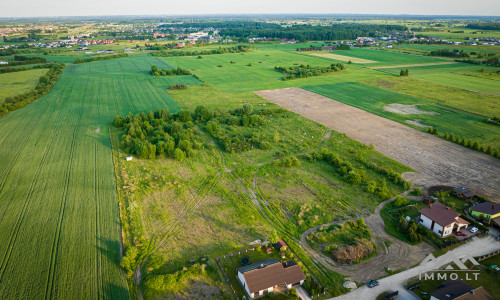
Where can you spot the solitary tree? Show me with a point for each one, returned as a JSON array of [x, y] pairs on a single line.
[[273, 236]]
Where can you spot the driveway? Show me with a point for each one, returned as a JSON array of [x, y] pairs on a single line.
[[399, 255], [476, 247], [301, 292]]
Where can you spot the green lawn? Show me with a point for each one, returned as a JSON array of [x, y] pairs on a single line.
[[373, 99], [59, 211], [16, 83]]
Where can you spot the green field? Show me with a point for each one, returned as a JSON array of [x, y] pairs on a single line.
[[59, 212], [451, 75], [261, 75], [387, 58], [16, 83], [373, 99]]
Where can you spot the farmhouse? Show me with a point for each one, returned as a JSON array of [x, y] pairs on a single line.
[[441, 219], [487, 211], [267, 276], [463, 192], [459, 290]]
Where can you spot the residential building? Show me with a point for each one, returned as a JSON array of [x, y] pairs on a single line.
[[487, 211], [463, 192], [442, 220], [268, 276], [459, 290]]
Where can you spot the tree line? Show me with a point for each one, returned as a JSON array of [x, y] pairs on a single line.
[[20, 60], [220, 50], [86, 60], [9, 69], [304, 71], [45, 84], [449, 53], [169, 72], [484, 26], [474, 145], [313, 33]]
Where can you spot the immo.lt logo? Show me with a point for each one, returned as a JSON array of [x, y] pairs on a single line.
[[452, 267]]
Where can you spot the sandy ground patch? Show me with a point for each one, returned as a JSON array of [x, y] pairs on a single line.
[[417, 123], [415, 65], [404, 109], [343, 58], [438, 162]]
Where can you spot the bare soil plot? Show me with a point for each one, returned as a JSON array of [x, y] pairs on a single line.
[[343, 58], [415, 65], [438, 162]]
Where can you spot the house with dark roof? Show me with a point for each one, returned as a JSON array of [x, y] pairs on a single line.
[[459, 290], [441, 220], [488, 212], [463, 192], [261, 278], [280, 245]]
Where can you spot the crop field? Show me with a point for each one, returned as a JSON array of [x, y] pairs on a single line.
[[451, 75], [16, 83], [387, 58], [376, 101], [239, 76], [57, 189], [479, 48], [342, 58]]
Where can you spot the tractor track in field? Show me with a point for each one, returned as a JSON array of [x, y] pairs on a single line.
[[97, 229], [50, 276], [22, 214]]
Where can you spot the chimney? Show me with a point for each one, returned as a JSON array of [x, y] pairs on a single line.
[[430, 205], [493, 207], [448, 208], [261, 266]]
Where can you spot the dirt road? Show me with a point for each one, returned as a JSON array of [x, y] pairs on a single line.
[[398, 256], [438, 162]]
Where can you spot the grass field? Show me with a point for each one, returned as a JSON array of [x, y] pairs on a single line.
[[16, 83], [387, 58], [373, 99], [59, 213], [239, 76], [451, 75]]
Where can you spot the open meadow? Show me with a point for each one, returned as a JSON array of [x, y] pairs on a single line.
[[16, 83], [59, 220]]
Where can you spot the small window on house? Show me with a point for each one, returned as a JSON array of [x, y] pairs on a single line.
[[421, 220], [439, 231]]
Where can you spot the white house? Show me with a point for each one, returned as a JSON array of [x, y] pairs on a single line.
[[261, 278], [442, 220]]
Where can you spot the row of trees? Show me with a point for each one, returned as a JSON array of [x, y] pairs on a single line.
[[220, 50], [169, 72], [474, 145], [97, 58], [303, 71], [310, 32], [24, 60], [449, 53], [45, 84], [9, 69]]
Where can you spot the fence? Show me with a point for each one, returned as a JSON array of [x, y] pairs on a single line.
[[449, 244], [488, 255]]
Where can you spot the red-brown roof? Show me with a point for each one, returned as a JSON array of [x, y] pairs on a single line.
[[272, 275], [440, 214], [280, 244]]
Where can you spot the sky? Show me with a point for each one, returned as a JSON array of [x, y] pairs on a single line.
[[44, 8]]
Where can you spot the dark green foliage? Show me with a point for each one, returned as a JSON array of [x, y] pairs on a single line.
[[86, 60], [25, 60], [220, 50], [159, 134], [44, 86], [177, 87], [169, 72], [303, 71], [449, 53]]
